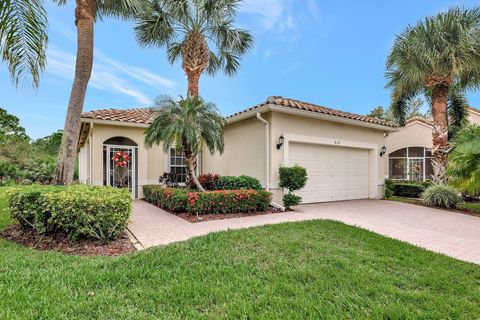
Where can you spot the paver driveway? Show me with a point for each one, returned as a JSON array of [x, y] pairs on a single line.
[[454, 234]]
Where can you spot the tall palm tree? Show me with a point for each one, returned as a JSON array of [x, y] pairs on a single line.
[[186, 125], [23, 38], [86, 12], [188, 29], [430, 57], [464, 163]]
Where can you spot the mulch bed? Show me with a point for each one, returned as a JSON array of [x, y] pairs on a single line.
[[220, 216], [59, 242]]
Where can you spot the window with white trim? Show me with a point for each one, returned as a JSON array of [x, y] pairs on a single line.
[[178, 165], [412, 164]]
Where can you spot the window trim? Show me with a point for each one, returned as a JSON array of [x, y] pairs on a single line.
[[408, 158]]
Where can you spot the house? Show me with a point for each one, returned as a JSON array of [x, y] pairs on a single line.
[[409, 149], [342, 151]]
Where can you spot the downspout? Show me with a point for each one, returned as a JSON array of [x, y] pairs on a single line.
[[90, 178], [267, 151]]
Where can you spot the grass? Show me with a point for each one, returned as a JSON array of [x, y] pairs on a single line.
[[471, 206], [467, 206], [317, 269], [403, 199]]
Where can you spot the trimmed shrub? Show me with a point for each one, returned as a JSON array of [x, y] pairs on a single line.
[[443, 196], [293, 178], [80, 211], [173, 199], [408, 189], [228, 201], [290, 200], [389, 187], [238, 183], [29, 208], [90, 211], [209, 181]]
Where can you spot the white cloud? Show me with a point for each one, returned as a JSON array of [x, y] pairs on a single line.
[[107, 74], [313, 8], [138, 73], [269, 11]]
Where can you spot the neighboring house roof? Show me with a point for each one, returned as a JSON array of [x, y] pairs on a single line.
[[420, 119], [139, 115], [429, 121], [305, 106]]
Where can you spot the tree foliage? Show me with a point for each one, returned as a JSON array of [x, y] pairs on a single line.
[[10, 126], [464, 160], [23, 38], [201, 32], [187, 125]]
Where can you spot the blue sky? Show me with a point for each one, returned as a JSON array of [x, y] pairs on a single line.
[[330, 53]]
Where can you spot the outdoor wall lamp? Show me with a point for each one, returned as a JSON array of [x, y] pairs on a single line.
[[280, 142], [383, 151]]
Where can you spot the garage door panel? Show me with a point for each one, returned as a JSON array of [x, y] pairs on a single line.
[[334, 173]]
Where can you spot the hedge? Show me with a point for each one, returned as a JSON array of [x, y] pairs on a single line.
[[219, 201], [408, 189], [228, 201], [173, 199], [237, 183], [79, 211]]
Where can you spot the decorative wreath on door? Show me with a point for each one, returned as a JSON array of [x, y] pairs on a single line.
[[120, 159]]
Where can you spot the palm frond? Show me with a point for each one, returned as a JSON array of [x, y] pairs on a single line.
[[191, 121], [23, 38], [123, 9], [457, 110], [464, 160], [155, 26], [167, 23]]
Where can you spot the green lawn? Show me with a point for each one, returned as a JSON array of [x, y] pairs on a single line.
[[469, 206], [472, 206], [312, 270]]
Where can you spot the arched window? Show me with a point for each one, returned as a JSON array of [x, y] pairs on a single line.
[[412, 164], [120, 141]]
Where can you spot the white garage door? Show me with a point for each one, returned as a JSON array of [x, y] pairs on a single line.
[[334, 173]]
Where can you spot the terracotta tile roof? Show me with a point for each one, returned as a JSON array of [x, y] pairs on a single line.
[[145, 115], [300, 105], [427, 121], [140, 115]]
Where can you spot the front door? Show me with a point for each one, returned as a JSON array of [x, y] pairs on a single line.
[[120, 167]]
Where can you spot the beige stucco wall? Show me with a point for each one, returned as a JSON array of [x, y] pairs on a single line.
[[474, 117], [244, 151], [288, 124], [416, 134], [151, 161]]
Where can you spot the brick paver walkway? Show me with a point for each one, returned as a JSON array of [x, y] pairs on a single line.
[[453, 234]]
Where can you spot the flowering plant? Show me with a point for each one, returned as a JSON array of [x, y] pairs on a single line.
[[120, 159]]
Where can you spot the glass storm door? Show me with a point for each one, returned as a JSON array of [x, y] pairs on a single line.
[[416, 169], [121, 176]]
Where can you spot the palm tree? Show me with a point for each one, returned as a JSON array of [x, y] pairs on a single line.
[[188, 29], [86, 12], [186, 125], [431, 57], [23, 38], [464, 162]]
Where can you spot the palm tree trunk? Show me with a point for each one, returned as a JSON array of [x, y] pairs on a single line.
[[440, 133], [84, 20], [193, 81], [191, 167]]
